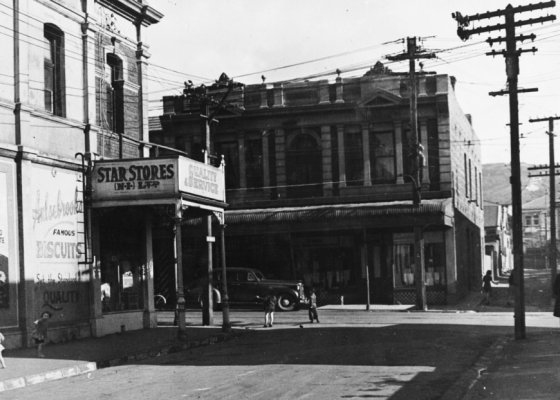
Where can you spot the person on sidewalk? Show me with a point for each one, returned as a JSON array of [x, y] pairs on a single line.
[[270, 301], [40, 332], [313, 306], [556, 290], [2, 348], [487, 286]]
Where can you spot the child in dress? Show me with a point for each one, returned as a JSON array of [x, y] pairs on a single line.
[[40, 332], [313, 306], [2, 348]]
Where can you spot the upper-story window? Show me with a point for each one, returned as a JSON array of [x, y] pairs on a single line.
[[382, 154], [353, 156], [535, 219], [528, 220], [55, 90], [115, 95], [254, 163], [466, 177], [231, 158]]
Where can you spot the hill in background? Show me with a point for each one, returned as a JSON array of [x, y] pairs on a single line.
[[497, 189]]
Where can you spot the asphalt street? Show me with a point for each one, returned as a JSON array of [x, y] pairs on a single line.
[[350, 354]]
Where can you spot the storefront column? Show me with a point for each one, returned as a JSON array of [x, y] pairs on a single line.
[[326, 156], [341, 159], [280, 141], [266, 164], [150, 317], [96, 312], [242, 169], [398, 150], [226, 326], [178, 218], [424, 138], [451, 265], [367, 161], [208, 309]]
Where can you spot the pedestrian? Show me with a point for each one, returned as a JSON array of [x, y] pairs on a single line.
[[556, 290], [313, 306], [269, 307], [2, 338], [39, 335], [487, 286]]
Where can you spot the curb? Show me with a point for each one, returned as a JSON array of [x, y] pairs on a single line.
[[67, 372], [460, 389]]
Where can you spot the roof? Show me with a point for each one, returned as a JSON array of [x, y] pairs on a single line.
[[540, 203], [491, 214], [315, 213], [154, 124]]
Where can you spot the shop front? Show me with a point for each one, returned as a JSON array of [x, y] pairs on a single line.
[[129, 197]]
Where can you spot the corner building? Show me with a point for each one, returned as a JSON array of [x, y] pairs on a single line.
[[319, 189], [74, 94]]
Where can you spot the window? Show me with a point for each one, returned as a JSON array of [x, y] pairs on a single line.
[[231, 158], [404, 265], [466, 177], [54, 70], [353, 154], [476, 184], [528, 220], [470, 180], [536, 219], [115, 95], [254, 163], [382, 154]]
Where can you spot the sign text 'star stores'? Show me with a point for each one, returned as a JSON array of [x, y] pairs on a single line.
[[139, 177]]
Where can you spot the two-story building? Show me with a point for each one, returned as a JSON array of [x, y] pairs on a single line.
[[536, 231], [318, 178], [72, 91]]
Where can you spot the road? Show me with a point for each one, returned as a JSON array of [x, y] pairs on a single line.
[[351, 354]]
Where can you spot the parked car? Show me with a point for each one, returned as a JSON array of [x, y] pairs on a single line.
[[249, 286]]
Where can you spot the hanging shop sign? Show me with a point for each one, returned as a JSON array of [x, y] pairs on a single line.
[[151, 177]]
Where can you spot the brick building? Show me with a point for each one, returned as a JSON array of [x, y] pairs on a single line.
[[318, 185], [75, 93]]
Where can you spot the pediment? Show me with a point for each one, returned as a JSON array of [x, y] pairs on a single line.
[[379, 98]]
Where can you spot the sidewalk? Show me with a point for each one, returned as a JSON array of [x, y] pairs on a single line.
[[523, 369], [78, 357]]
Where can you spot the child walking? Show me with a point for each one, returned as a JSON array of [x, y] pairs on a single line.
[[313, 306], [2, 348], [40, 332]]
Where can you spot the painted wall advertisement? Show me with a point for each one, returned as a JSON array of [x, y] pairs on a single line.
[[4, 244], [61, 284]]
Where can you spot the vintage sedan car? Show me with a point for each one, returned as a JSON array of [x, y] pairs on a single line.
[[249, 286]]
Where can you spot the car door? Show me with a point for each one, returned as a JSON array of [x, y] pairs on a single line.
[[233, 286]]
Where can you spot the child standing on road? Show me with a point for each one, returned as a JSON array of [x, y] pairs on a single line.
[[313, 306], [40, 332], [2, 348], [269, 306]]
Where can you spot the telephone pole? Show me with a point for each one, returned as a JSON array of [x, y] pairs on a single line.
[[552, 247], [511, 55], [414, 53]]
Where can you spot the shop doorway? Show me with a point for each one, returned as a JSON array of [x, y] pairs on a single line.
[[380, 255]]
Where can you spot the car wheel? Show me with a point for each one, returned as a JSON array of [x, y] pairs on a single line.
[[286, 302], [215, 305]]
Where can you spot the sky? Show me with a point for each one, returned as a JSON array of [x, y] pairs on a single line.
[[287, 40]]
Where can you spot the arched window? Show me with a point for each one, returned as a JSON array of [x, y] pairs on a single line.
[[55, 90], [115, 95]]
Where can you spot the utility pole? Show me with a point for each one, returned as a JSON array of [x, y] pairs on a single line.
[[511, 55], [552, 191], [201, 95], [413, 53]]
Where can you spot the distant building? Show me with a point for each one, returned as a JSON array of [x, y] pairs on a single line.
[[536, 231], [318, 185], [498, 240]]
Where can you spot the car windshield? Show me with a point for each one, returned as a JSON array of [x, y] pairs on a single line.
[[259, 275]]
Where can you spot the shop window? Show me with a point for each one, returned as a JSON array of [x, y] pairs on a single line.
[[254, 163], [231, 157], [115, 95], [382, 153], [54, 70], [434, 265], [353, 155]]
